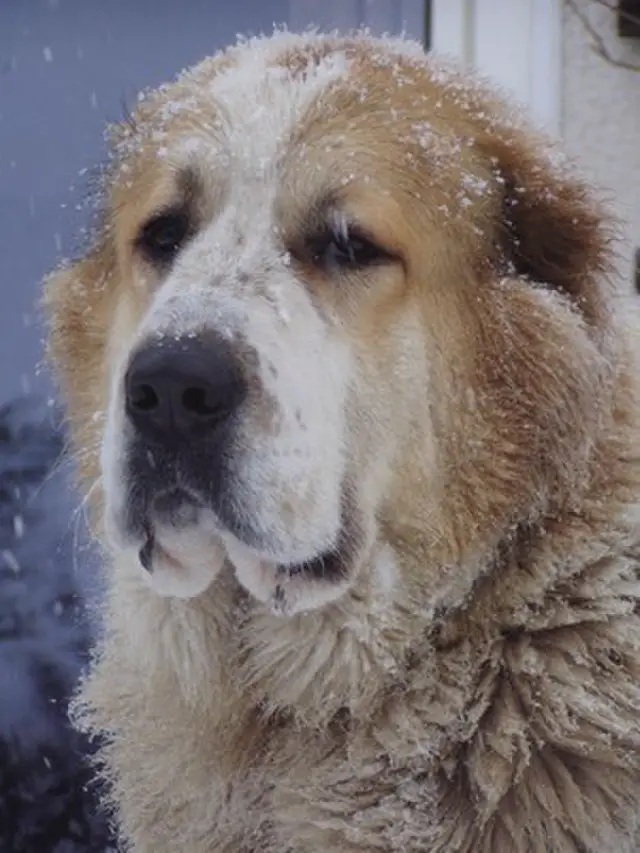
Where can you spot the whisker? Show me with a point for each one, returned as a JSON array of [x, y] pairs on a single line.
[[79, 513]]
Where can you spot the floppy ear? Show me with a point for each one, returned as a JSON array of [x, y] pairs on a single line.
[[553, 229], [543, 353], [77, 300], [77, 296]]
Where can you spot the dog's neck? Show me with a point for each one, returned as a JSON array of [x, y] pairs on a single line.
[[226, 644], [340, 656]]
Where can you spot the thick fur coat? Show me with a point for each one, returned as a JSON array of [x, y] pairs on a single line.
[[402, 611]]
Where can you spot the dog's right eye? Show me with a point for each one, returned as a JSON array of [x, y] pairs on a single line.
[[341, 246], [162, 237]]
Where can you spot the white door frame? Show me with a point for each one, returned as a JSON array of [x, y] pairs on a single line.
[[517, 43]]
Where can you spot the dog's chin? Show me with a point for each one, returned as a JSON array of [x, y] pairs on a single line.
[[181, 563]]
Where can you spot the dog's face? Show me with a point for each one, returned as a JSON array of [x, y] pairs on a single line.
[[337, 298]]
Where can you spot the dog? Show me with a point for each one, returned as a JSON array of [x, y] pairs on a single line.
[[355, 404]]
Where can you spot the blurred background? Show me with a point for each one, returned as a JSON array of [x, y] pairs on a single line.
[[66, 68]]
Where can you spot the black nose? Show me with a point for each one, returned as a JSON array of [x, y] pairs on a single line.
[[180, 387]]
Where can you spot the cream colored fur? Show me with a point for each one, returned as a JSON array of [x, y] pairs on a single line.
[[473, 684]]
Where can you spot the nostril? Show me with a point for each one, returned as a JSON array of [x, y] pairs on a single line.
[[201, 402], [143, 398]]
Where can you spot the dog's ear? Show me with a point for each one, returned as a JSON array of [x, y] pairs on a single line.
[[552, 230], [77, 338]]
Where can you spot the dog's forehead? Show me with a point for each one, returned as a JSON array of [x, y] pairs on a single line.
[[247, 100], [260, 100], [251, 98]]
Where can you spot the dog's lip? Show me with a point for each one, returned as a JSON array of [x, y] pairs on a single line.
[[152, 549], [146, 552], [173, 508], [332, 563], [327, 564]]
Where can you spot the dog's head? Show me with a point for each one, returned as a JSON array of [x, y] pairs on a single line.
[[340, 297]]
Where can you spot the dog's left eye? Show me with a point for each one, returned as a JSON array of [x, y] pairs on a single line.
[[345, 249], [162, 237]]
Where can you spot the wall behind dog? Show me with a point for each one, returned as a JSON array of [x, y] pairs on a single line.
[[601, 118]]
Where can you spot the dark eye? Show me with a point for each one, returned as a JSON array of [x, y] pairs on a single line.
[[343, 248], [163, 236]]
